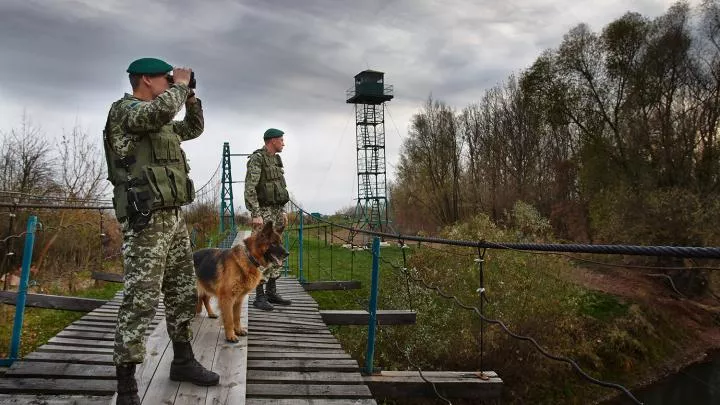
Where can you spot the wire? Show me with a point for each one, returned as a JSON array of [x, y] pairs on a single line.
[[542, 350], [672, 284]]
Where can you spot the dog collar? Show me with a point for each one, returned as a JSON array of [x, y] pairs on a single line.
[[252, 259]]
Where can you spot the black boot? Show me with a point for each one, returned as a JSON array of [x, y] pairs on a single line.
[[184, 367], [126, 385], [261, 299], [272, 294]]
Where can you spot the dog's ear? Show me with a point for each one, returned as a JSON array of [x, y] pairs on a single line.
[[267, 230]]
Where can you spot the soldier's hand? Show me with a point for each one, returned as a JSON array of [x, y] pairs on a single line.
[[182, 75], [256, 222], [191, 99]]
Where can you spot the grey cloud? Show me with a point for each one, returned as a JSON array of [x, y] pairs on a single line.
[[280, 63]]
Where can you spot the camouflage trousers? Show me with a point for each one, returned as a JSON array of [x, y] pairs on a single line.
[[156, 259], [275, 214]]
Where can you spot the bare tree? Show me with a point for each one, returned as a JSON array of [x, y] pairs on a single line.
[[82, 167], [27, 163]]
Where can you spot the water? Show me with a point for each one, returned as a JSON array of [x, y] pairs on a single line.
[[698, 384]]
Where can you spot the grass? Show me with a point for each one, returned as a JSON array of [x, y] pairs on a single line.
[[602, 306], [324, 262], [39, 325]]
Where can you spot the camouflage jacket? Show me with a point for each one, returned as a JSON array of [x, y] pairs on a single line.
[[264, 182], [132, 118]]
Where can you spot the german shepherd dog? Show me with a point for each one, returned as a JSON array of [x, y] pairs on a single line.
[[230, 274]]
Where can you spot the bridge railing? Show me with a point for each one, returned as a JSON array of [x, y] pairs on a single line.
[[308, 240]]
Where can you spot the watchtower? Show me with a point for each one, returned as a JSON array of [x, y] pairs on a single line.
[[369, 95]]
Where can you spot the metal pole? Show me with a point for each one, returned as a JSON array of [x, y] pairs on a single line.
[[481, 261], [22, 289], [8, 249], [300, 248], [286, 265], [373, 305], [331, 252], [102, 239]]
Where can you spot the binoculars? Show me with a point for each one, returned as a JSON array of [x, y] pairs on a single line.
[[190, 85]]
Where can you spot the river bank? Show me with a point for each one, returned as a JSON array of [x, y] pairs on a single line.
[[697, 383], [673, 382]]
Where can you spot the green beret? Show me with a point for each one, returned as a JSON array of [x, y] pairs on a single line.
[[149, 66], [273, 133]]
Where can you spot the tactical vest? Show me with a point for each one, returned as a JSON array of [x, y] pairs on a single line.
[[271, 189], [153, 176]]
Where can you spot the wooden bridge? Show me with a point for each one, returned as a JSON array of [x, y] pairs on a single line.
[[289, 357]]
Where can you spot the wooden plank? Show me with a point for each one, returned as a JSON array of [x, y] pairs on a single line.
[[94, 327], [336, 354], [274, 349], [15, 399], [231, 364], [296, 326], [53, 301], [304, 365], [37, 369], [160, 389], [102, 315], [310, 315], [261, 334], [81, 334], [312, 391], [79, 342], [361, 317], [112, 277], [57, 386], [280, 329], [303, 345], [204, 347], [157, 345], [70, 358], [286, 321], [51, 348], [289, 310], [408, 384], [96, 323], [305, 305], [308, 401], [293, 337], [298, 377], [332, 285]]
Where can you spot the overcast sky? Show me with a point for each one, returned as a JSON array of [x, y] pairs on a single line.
[[283, 64]]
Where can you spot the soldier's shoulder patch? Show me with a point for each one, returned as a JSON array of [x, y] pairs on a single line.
[[130, 104]]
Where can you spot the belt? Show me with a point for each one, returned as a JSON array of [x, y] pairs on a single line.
[[168, 210]]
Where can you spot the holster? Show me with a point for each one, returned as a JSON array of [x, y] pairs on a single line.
[[139, 213]]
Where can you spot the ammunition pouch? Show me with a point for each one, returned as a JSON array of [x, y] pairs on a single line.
[[153, 176], [272, 189]]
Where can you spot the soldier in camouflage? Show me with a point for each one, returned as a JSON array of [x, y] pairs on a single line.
[[265, 197], [149, 172]]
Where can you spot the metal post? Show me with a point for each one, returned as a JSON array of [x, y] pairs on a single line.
[[286, 265], [22, 289], [331, 252], [8, 249], [102, 238], [481, 260], [373, 305], [300, 248], [352, 260]]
